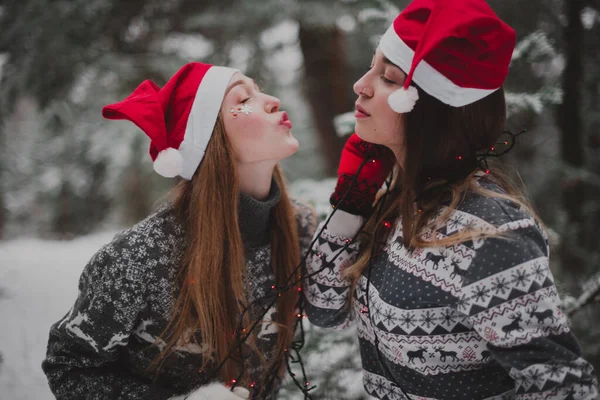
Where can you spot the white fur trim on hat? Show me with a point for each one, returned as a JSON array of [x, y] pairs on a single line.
[[428, 78], [202, 118], [169, 163], [403, 100]]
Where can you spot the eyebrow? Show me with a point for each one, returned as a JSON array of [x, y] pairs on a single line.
[[385, 60], [240, 82], [391, 64]]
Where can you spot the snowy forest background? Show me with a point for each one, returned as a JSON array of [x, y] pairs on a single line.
[[69, 180]]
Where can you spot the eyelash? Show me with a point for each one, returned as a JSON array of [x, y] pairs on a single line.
[[383, 78], [243, 101]]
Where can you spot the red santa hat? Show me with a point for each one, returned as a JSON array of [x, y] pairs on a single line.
[[458, 51], [179, 118]]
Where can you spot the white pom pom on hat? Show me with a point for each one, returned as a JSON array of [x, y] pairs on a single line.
[[403, 100], [169, 163]]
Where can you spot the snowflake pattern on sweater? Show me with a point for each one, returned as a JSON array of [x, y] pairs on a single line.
[[477, 320], [103, 347]]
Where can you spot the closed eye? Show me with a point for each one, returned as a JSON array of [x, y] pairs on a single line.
[[386, 80]]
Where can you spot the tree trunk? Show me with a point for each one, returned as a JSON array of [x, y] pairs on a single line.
[[136, 198], [2, 215], [325, 86], [2, 179], [571, 128]]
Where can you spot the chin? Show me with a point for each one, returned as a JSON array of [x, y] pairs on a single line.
[[281, 152], [295, 145], [371, 136], [291, 148], [366, 135]]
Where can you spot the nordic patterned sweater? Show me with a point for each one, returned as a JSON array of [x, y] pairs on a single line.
[[477, 320], [102, 348]]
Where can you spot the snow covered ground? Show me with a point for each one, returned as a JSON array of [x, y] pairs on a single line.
[[38, 283]]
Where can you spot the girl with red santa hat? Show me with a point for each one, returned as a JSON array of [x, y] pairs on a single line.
[[446, 272], [159, 307]]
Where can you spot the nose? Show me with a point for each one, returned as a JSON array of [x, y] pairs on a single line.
[[272, 104], [360, 87]]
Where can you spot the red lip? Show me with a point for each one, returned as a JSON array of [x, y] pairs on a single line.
[[285, 120], [361, 112]]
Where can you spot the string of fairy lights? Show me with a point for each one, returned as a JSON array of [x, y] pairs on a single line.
[[292, 353], [293, 282]]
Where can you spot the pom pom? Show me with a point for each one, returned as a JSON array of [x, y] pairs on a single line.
[[169, 163], [403, 100]]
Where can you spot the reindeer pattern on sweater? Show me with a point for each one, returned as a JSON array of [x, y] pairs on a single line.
[[475, 320]]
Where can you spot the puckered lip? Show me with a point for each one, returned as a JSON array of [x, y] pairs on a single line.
[[285, 121], [284, 118], [361, 109]]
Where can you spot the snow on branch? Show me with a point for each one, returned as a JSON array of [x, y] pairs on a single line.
[[534, 46], [535, 101], [385, 12], [344, 124], [591, 293]]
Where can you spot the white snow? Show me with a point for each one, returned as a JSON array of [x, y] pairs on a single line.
[[285, 57], [316, 193], [188, 47], [589, 16], [344, 124], [38, 279], [347, 23], [3, 56], [536, 44], [377, 15]]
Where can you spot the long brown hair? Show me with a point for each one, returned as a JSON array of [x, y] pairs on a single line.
[[439, 167], [212, 273]]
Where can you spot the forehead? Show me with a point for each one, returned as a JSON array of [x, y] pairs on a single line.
[[239, 80], [378, 57]]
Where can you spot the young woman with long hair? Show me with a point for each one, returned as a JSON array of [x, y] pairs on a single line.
[[159, 307], [445, 269]]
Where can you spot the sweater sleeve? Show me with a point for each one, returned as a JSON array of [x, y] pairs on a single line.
[[509, 296], [82, 359], [326, 291]]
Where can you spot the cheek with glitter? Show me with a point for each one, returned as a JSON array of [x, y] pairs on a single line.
[[241, 109]]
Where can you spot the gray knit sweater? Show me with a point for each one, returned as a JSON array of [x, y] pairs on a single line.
[[102, 348], [476, 320]]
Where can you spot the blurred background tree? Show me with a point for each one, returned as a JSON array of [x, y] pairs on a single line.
[[65, 172]]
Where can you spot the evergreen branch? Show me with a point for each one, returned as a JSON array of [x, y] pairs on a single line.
[[591, 294]]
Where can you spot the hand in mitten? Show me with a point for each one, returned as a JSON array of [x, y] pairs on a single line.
[[361, 194], [216, 391]]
